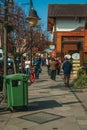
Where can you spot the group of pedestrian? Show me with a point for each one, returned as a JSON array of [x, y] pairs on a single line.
[[33, 70], [54, 65]]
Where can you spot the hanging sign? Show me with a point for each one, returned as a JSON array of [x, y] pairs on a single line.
[[76, 56]]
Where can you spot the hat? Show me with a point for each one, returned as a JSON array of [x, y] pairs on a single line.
[[67, 56]]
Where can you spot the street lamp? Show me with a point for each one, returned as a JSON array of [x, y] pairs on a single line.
[[6, 4], [33, 20]]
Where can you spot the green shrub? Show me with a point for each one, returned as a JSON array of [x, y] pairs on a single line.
[[81, 71], [80, 82]]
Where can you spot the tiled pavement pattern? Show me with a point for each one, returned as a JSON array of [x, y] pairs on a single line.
[[51, 107]]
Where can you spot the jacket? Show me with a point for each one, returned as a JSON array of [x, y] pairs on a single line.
[[67, 67]]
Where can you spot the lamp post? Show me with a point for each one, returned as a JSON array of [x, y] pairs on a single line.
[[6, 4], [33, 20]]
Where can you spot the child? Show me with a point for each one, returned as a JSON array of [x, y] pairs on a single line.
[[32, 75]]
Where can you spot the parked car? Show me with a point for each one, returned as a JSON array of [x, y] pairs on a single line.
[[10, 68]]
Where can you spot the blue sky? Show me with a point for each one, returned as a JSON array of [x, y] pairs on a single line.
[[42, 6]]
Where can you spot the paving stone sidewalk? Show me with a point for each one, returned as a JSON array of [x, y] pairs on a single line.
[[51, 107]]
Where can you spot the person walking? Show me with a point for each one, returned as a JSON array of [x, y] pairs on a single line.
[[58, 65], [67, 68], [47, 64], [27, 66], [52, 64], [37, 63]]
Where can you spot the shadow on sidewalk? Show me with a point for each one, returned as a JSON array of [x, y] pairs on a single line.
[[39, 105], [36, 105]]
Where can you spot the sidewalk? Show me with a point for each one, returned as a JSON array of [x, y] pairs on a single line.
[[51, 107]]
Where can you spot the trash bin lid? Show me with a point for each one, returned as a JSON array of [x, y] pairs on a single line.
[[18, 76]]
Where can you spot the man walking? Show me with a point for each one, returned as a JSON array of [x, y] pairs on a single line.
[[52, 64], [67, 67]]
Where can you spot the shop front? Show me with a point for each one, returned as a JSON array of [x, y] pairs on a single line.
[[70, 43]]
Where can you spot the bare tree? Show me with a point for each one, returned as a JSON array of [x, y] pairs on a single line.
[[21, 37]]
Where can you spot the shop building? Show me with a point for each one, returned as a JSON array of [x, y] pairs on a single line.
[[68, 24]]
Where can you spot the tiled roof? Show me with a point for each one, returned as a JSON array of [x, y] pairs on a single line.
[[67, 10]]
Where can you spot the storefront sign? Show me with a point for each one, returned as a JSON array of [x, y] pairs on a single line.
[[72, 39], [52, 47], [76, 56]]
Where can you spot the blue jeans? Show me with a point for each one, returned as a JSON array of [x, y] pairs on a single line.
[[27, 70], [37, 72]]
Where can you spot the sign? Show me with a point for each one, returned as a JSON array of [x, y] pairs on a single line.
[[73, 38], [52, 47], [76, 56]]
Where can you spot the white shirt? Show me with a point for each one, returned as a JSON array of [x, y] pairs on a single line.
[[47, 62], [27, 64]]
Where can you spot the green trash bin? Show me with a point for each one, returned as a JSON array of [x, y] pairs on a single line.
[[17, 90]]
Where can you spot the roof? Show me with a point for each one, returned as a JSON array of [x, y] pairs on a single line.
[[67, 10]]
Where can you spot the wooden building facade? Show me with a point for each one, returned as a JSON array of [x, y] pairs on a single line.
[[68, 24]]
